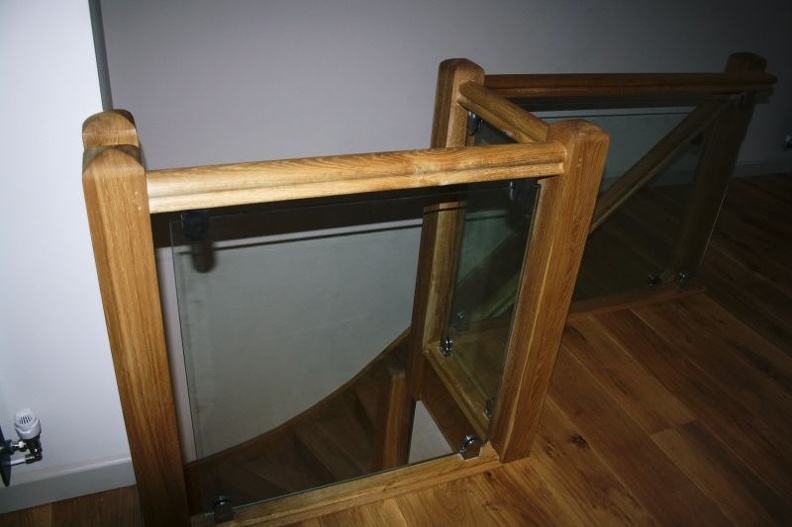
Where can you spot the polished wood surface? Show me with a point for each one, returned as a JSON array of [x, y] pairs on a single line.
[[558, 237], [441, 234], [503, 114], [120, 196], [669, 411], [747, 266], [115, 195], [179, 189]]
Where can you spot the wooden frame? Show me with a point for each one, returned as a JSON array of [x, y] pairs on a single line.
[[121, 195], [568, 158], [556, 247]]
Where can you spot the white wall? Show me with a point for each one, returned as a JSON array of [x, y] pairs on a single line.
[[225, 81], [54, 353]]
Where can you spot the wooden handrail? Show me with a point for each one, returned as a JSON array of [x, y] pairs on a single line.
[[173, 190], [618, 84], [509, 118], [656, 159]]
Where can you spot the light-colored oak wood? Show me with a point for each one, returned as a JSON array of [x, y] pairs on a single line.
[[269, 181], [647, 402], [503, 114], [551, 265], [441, 230], [621, 442], [463, 393], [118, 215], [568, 479], [301, 507], [115, 127], [119, 204]]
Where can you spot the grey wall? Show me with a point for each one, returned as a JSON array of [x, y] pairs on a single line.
[[217, 82]]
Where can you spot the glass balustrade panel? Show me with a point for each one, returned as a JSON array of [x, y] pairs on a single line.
[[293, 322], [633, 249]]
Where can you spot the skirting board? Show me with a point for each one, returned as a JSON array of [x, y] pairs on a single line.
[[66, 483]]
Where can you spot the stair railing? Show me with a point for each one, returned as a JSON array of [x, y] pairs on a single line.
[[121, 197], [724, 105]]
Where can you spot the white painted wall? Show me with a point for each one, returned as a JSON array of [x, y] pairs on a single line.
[[54, 352]]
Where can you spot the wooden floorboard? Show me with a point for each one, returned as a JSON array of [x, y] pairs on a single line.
[[675, 411]]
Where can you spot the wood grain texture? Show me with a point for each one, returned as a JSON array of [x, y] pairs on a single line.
[[558, 236], [500, 112], [395, 413], [118, 215], [269, 181], [118, 507], [573, 476], [357, 493], [442, 226], [111, 128]]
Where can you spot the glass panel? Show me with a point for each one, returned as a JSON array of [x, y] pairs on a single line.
[[494, 238], [633, 249], [293, 323]]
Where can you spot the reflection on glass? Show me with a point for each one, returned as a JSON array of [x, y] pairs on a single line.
[[633, 249], [293, 323], [494, 238]]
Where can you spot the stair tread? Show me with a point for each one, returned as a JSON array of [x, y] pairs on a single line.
[[368, 395], [287, 470], [338, 445], [242, 485]]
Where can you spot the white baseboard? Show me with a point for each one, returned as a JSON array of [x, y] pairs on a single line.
[[64, 483]]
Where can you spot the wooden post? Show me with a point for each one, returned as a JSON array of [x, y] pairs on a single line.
[[394, 420], [114, 182], [440, 234], [715, 168], [558, 236]]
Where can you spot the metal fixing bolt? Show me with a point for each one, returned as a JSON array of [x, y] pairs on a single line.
[[446, 346]]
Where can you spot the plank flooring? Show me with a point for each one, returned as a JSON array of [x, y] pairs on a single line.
[[675, 412]]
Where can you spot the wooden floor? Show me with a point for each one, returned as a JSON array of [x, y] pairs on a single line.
[[677, 412]]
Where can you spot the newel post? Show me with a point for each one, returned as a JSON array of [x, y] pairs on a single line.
[[114, 182], [558, 237]]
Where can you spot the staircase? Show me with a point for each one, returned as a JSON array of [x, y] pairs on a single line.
[[344, 436]]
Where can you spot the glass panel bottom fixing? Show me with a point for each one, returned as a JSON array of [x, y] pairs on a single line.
[[294, 325]]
